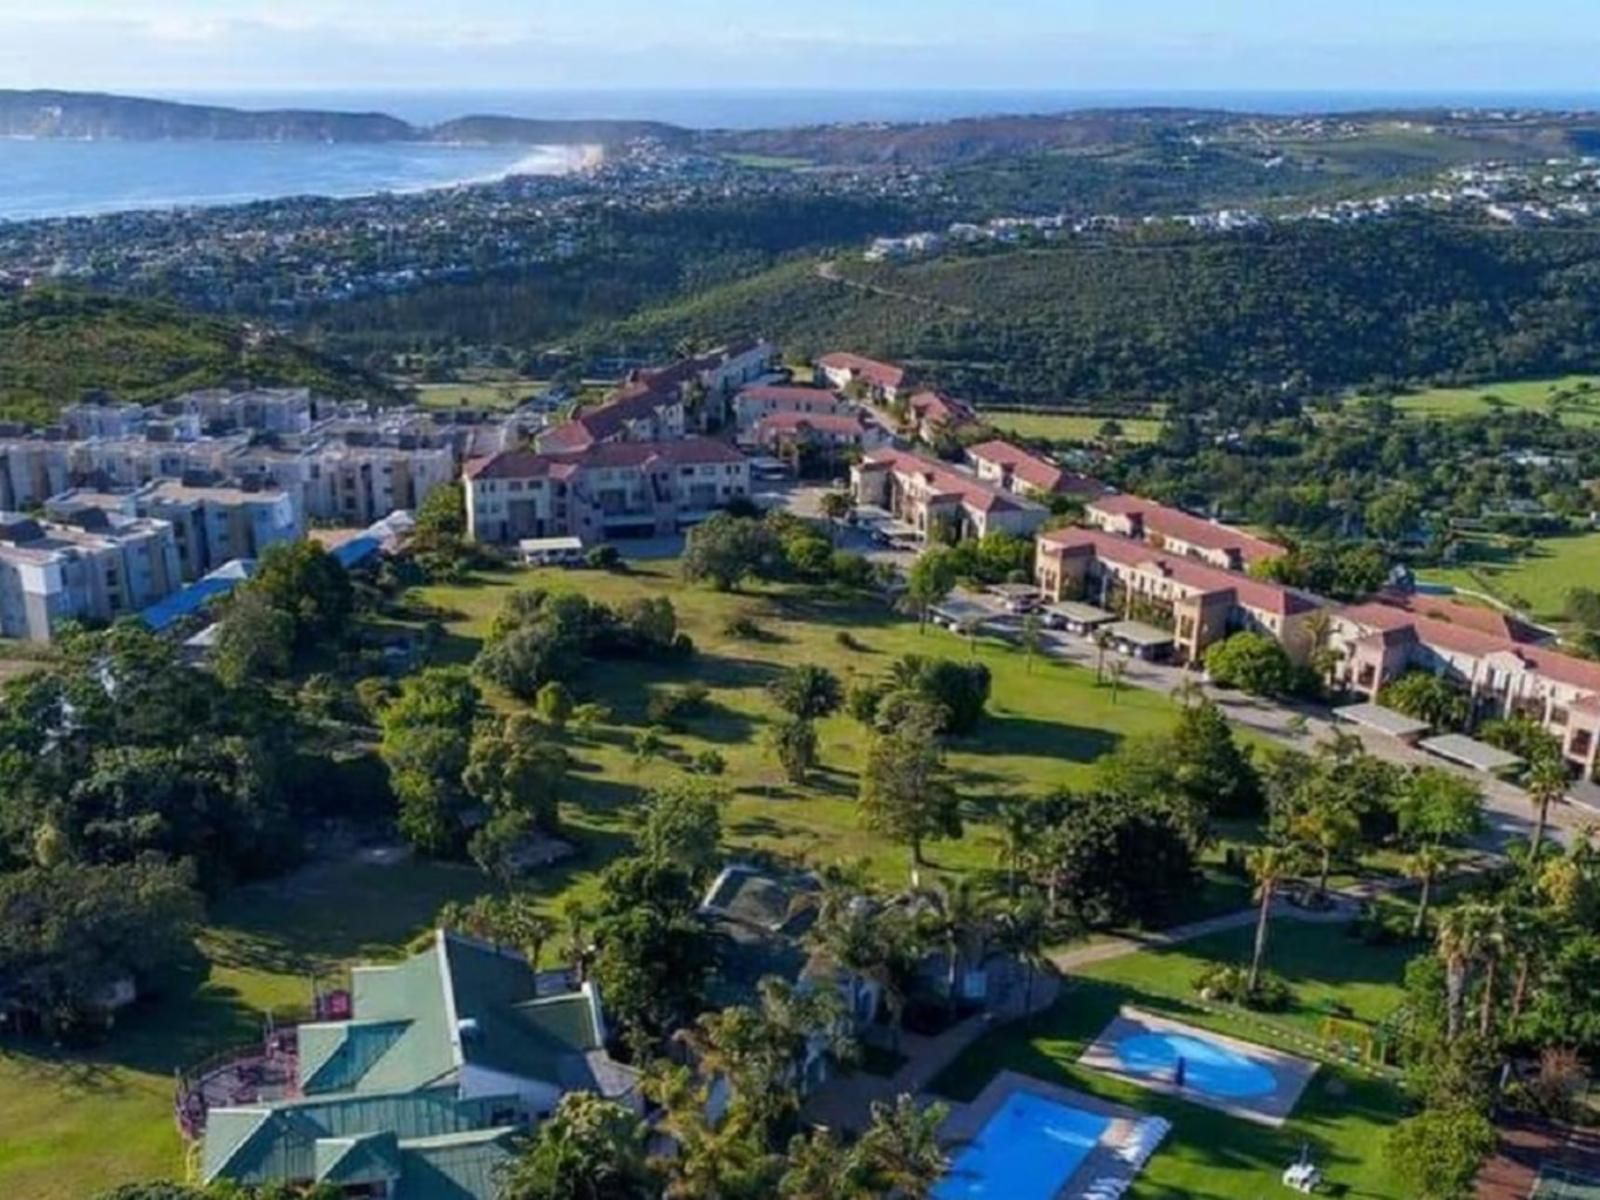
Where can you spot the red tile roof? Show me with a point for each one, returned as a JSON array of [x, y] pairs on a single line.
[[1033, 470], [944, 479], [778, 396], [941, 409], [1485, 620], [790, 421], [1391, 618], [879, 374], [1197, 531], [634, 402], [1191, 573]]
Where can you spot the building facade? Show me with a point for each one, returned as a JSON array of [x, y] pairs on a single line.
[[1178, 532], [879, 380], [939, 500], [1028, 474]]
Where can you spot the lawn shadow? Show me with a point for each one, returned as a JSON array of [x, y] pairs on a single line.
[[1002, 736]]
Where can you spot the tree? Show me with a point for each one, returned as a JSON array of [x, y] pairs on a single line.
[[681, 824], [303, 580], [1117, 671], [929, 581], [651, 967], [724, 549], [959, 920], [426, 745], [1032, 637], [793, 742], [837, 507], [1252, 662], [520, 775], [904, 794], [900, 1150], [807, 691], [1327, 826], [1437, 1153], [1270, 866], [255, 641], [1209, 765], [1424, 866], [959, 691], [588, 1149], [1546, 783], [554, 704], [1024, 930], [1426, 697], [1457, 944], [1438, 807]]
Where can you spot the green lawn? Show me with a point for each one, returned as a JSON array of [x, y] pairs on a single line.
[[1071, 427], [769, 162], [1581, 408], [1538, 581], [507, 393], [78, 1121], [1343, 1114]]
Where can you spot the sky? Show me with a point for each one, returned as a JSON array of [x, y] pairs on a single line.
[[174, 46]]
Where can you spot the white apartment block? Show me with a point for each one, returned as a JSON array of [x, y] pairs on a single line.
[[101, 567]]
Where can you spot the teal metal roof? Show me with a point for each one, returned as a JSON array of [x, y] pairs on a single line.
[[369, 1158], [463, 1167], [336, 1056], [413, 993], [509, 1030]]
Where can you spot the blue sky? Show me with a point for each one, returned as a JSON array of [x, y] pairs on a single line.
[[1472, 46]]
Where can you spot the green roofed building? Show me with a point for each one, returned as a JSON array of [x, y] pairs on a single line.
[[446, 1057]]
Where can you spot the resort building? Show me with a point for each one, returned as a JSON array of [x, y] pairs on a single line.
[[1179, 533], [792, 436], [931, 413], [940, 500], [98, 566], [1496, 662], [421, 1089], [878, 380], [612, 490], [1027, 474], [753, 404], [1199, 603]]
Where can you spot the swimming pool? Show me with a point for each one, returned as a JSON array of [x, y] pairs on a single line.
[[1028, 1148], [1208, 1066]]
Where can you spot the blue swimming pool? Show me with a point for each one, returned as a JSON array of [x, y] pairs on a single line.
[[1026, 1150], [1208, 1066]]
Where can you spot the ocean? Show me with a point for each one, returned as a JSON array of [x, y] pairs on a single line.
[[48, 179]]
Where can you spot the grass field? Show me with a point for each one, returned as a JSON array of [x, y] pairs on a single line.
[[1537, 581], [1580, 408], [769, 162], [1342, 1116], [506, 393], [1071, 427]]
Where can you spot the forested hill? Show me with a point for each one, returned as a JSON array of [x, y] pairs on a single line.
[[59, 347], [1202, 321]]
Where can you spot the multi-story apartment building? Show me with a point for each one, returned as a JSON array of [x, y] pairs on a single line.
[[879, 380], [357, 485], [829, 435], [612, 490], [102, 420], [932, 413], [1028, 474], [1201, 603], [132, 461], [939, 500], [32, 470], [754, 404], [211, 524], [98, 567], [1495, 662], [1178, 532], [264, 410]]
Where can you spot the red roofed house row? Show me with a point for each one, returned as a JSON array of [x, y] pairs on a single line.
[[751, 404], [612, 490], [1383, 639], [881, 380], [786, 433], [1202, 603], [1025, 473], [1178, 532], [655, 403], [933, 496], [930, 412]]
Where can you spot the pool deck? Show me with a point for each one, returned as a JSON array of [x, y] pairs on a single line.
[[1291, 1072], [1107, 1171]]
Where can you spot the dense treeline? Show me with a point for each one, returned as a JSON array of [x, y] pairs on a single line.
[[1237, 322], [60, 347]]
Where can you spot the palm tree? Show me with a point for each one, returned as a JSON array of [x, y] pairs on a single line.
[[527, 929], [959, 921], [1457, 945], [1525, 941], [1016, 827], [1269, 866], [901, 1151], [1324, 658], [1491, 948], [1547, 783], [1327, 827], [837, 507], [819, 1168], [1023, 930], [1424, 866], [575, 914]]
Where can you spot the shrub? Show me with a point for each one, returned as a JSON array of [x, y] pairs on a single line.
[[673, 706], [1230, 984], [864, 697], [708, 762], [850, 642], [744, 627], [603, 558], [1252, 662]]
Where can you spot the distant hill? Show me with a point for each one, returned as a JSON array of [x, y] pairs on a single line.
[[94, 116], [59, 347], [1203, 323]]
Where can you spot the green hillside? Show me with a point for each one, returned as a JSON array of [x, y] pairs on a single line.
[[59, 347], [1196, 321]]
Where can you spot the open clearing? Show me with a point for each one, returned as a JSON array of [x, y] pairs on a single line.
[[1537, 581], [1581, 406], [1071, 427]]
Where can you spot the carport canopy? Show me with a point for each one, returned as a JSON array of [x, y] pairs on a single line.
[[1469, 752], [1382, 720]]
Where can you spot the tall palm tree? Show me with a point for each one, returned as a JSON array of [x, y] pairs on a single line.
[[1323, 657], [1270, 865], [1457, 945], [1102, 643], [1525, 933], [1424, 866], [901, 1148], [819, 1168], [1016, 826], [527, 929], [959, 921], [1491, 949], [1023, 930], [1546, 783], [1327, 827]]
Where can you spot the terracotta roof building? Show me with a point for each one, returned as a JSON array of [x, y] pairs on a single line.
[[929, 495], [882, 380], [1179, 532], [1022, 471]]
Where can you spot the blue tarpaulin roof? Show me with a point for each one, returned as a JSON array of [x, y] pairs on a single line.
[[198, 594], [357, 550]]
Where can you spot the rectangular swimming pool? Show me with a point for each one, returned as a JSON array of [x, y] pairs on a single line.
[[1028, 1148]]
